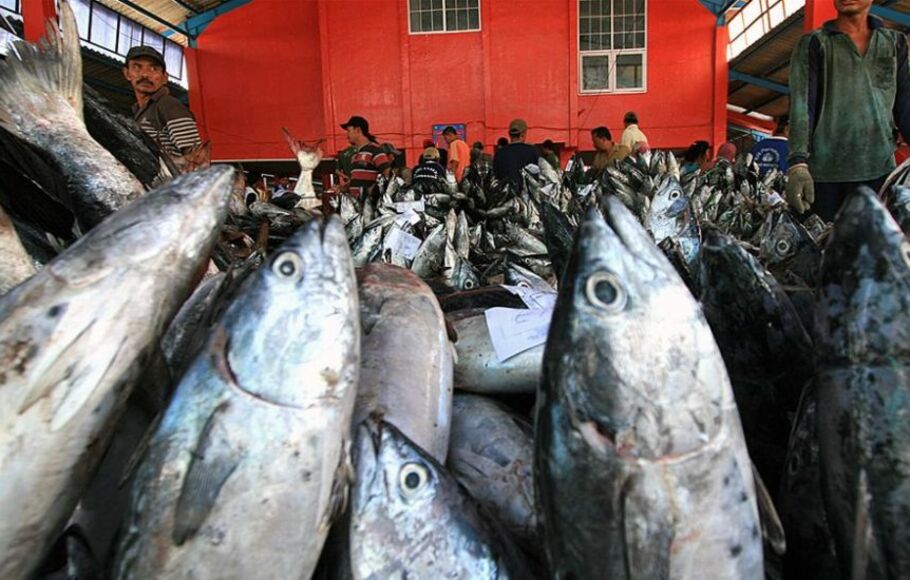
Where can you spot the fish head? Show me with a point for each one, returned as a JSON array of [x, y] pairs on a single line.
[[298, 317], [647, 378], [465, 277], [783, 238], [863, 309]]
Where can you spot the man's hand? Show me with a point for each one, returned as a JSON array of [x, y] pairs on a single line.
[[800, 187]]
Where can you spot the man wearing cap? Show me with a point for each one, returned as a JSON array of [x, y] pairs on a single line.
[[511, 159], [160, 116], [369, 159], [459, 154], [429, 169]]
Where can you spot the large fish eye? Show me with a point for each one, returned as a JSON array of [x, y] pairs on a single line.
[[468, 284], [782, 246], [288, 265], [412, 478], [674, 194], [604, 291]]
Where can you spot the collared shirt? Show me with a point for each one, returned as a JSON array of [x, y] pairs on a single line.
[[366, 164], [843, 105], [168, 122], [604, 158], [461, 154], [631, 136]]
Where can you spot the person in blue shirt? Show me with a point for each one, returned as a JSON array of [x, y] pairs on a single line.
[[771, 153]]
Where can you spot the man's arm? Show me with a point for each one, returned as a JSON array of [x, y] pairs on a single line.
[[180, 125], [902, 98], [805, 66]]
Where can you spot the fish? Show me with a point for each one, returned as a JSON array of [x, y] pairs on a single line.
[[897, 200], [863, 388], [367, 247], [406, 361], [41, 101], [463, 276], [523, 242], [558, 235], [767, 351], [491, 453], [482, 297], [640, 467], [429, 258], [123, 138], [476, 367], [784, 244], [308, 158], [411, 519], [15, 264], [74, 338], [249, 465]]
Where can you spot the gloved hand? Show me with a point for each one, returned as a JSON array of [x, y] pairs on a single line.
[[800, 187]]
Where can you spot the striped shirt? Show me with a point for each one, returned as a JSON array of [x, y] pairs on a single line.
[[169, 123], [366, 165]]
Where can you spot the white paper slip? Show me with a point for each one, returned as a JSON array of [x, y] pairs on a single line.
[[402, 243], [586, 190], [534, 297], [408, 217], [774, 199], [403, 206], [515, 330]]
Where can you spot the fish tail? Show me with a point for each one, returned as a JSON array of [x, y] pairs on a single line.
[[51, 67]]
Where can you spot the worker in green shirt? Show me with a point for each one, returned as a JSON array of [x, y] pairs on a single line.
[[849, 87]]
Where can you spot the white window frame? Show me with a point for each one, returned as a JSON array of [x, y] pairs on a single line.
[[612, 53], [444, 23]]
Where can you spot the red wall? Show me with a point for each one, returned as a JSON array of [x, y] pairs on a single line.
[[310, 64]]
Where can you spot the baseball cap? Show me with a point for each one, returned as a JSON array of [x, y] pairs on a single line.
[[431, 153], [517, 127], [147, 52], [357, 121]]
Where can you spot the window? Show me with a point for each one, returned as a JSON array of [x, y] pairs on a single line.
[[756, 19], [11, 5], [444, 15], [611, 42]]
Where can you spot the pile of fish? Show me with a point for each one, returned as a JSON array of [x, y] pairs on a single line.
[[638, 374]]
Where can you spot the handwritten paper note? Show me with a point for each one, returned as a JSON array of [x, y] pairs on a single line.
[[402, 243], [515, 330], [533, 295], [403, 206]]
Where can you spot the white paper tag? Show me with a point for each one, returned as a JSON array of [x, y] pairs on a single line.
[[403, 206], [402, 243], [515, 330], [586, 190], [570, 165], [774, 199], [534, 297], [409, 217]]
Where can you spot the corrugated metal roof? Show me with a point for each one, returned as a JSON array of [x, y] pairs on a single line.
[[162, 16]]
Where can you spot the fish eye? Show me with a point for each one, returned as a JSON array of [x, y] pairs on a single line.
[[604, 291], [469, 284], [412, 478], [288, 265], [674, 194], [782, 246]]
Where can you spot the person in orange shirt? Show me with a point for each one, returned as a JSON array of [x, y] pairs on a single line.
[[459, 153]]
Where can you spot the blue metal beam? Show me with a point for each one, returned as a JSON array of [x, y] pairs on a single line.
[[719, 8], [194, 25], [735, 75], [891, 14]]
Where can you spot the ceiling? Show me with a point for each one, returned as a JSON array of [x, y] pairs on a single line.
[[760, 74], [166, 16]]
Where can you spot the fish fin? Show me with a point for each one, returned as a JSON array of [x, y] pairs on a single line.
[[862, 530], [647, 528], [771, 527], [341, 485], [53, 66], [215, 458]]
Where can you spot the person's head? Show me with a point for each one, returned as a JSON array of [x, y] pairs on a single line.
[[477, 145], [602, 138], [727, 151], [548, 146], [501, 142], [630, 118], [253, 179], [358, 131], [145, 70], [428, 143], [449, 134], [852, 7], [697, 152], [783, 126], [518, 130], [390, 150], [430, 154]]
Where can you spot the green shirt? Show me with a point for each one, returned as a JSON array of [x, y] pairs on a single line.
[[843, 106]]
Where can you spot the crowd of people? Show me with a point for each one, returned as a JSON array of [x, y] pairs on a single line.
[[849, 107]]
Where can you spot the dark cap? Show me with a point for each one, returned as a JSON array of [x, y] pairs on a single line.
[[359, 122], [517, 127], [450, 130], [147, 52]]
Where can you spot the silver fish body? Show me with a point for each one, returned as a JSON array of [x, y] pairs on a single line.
[[75, 336], [15, 264], [249, 465], [406, 358], [640, 462]]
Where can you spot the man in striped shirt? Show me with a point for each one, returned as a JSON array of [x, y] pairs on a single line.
[[369, 159], [160, 116]]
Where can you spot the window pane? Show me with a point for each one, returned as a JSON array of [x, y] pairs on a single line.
[[639, 40], [173, 57], [104, 27], [438, 23], [130, 36], [474, 19], [149, 38], [629, 71], [462, 20], [82, 11], [595, 72], [8, 4], [436, 4]]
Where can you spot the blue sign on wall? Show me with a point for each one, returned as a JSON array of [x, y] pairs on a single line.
[[438, 141]]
